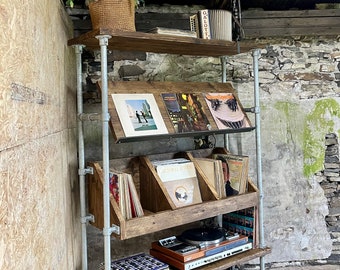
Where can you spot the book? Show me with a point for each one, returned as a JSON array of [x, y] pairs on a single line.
[[194, 25], [204, 24], [181, 183], [116, 187], [226, 110], [137, 209], [212, 169], [235, 169], [242, 221], [125, 194], [173, 32], [186, 112]]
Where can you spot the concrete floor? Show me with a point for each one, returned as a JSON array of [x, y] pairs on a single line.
[[316, 267]]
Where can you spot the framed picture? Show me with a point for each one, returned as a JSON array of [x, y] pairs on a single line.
[[227, 111], [186, 112], [139, 114]]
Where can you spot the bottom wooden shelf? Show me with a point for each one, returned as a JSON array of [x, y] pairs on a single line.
[[240, 258]]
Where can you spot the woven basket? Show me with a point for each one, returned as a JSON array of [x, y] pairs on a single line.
[[113, 14]]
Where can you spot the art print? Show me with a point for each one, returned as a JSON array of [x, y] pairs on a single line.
[[139, 114]]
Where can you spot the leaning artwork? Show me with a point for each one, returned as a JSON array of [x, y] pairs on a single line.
[[226, 111], [139, 114]]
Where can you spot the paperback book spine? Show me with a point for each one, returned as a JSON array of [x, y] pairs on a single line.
[[204, 22]]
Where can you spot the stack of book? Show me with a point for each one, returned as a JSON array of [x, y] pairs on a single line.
[[227, 173], [242, 222], [125, 194], [235, 171], [212, 169]]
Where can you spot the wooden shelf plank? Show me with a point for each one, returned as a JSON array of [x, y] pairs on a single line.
[[158, 43], [160, 221], [237, 259]]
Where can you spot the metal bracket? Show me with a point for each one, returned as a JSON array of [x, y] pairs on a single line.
[[86, 219], [79, 48], [89, 117], [251, 109], [114, 229], [106, 117], [87, 170], [103, 39]]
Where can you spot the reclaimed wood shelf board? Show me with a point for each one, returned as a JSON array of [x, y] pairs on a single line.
[[157, 88], [237, 259], [159, 43]]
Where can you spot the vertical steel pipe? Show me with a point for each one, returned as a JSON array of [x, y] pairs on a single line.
[[81, 155], [224, 80], [103, 42], [256, 54]]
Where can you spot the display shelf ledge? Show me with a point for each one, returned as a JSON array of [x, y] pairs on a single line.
[[159, 43], [153, 222]]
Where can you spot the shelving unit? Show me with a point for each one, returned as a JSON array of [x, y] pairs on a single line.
[[157, 43]]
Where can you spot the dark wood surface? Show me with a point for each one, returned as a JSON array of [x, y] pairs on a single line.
[[157, 43], [256, 23], [291, 23], [156, 88]]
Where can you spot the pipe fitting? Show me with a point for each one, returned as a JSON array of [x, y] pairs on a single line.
[[84, 220], [114, 229], [87, 170]]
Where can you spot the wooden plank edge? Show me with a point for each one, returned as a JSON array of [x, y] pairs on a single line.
[[237, 259], [155, 222]]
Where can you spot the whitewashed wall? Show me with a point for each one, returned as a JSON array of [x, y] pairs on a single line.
[[39, 213]]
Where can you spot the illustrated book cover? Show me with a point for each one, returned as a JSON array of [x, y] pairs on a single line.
[[186, 112], [125, 194], [226, 111], [235, 169], [139, 114], [212, 168], [181, 183]]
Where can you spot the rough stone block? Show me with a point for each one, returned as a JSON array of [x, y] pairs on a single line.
[[334, 179], [130, 70], [332, 165], [334, 212]]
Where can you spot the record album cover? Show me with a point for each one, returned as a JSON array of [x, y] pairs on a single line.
[[226, 111], [139, 114], [181, 183]]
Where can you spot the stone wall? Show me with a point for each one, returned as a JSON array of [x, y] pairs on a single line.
[[330, 182], [299, 87], [39, 209]]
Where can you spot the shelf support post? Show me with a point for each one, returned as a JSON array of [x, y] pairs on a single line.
[[103, 42], [256, 54], [224, 60], [81, 154]]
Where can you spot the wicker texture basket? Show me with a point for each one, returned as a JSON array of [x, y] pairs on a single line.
[[113, 14]]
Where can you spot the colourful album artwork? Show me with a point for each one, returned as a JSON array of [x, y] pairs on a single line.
[[139, 114], [186, 112], [226, 111]]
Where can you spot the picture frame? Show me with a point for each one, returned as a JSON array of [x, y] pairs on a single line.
[[139, 114]]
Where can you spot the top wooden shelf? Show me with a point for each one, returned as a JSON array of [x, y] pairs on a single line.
[[159, 43]]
